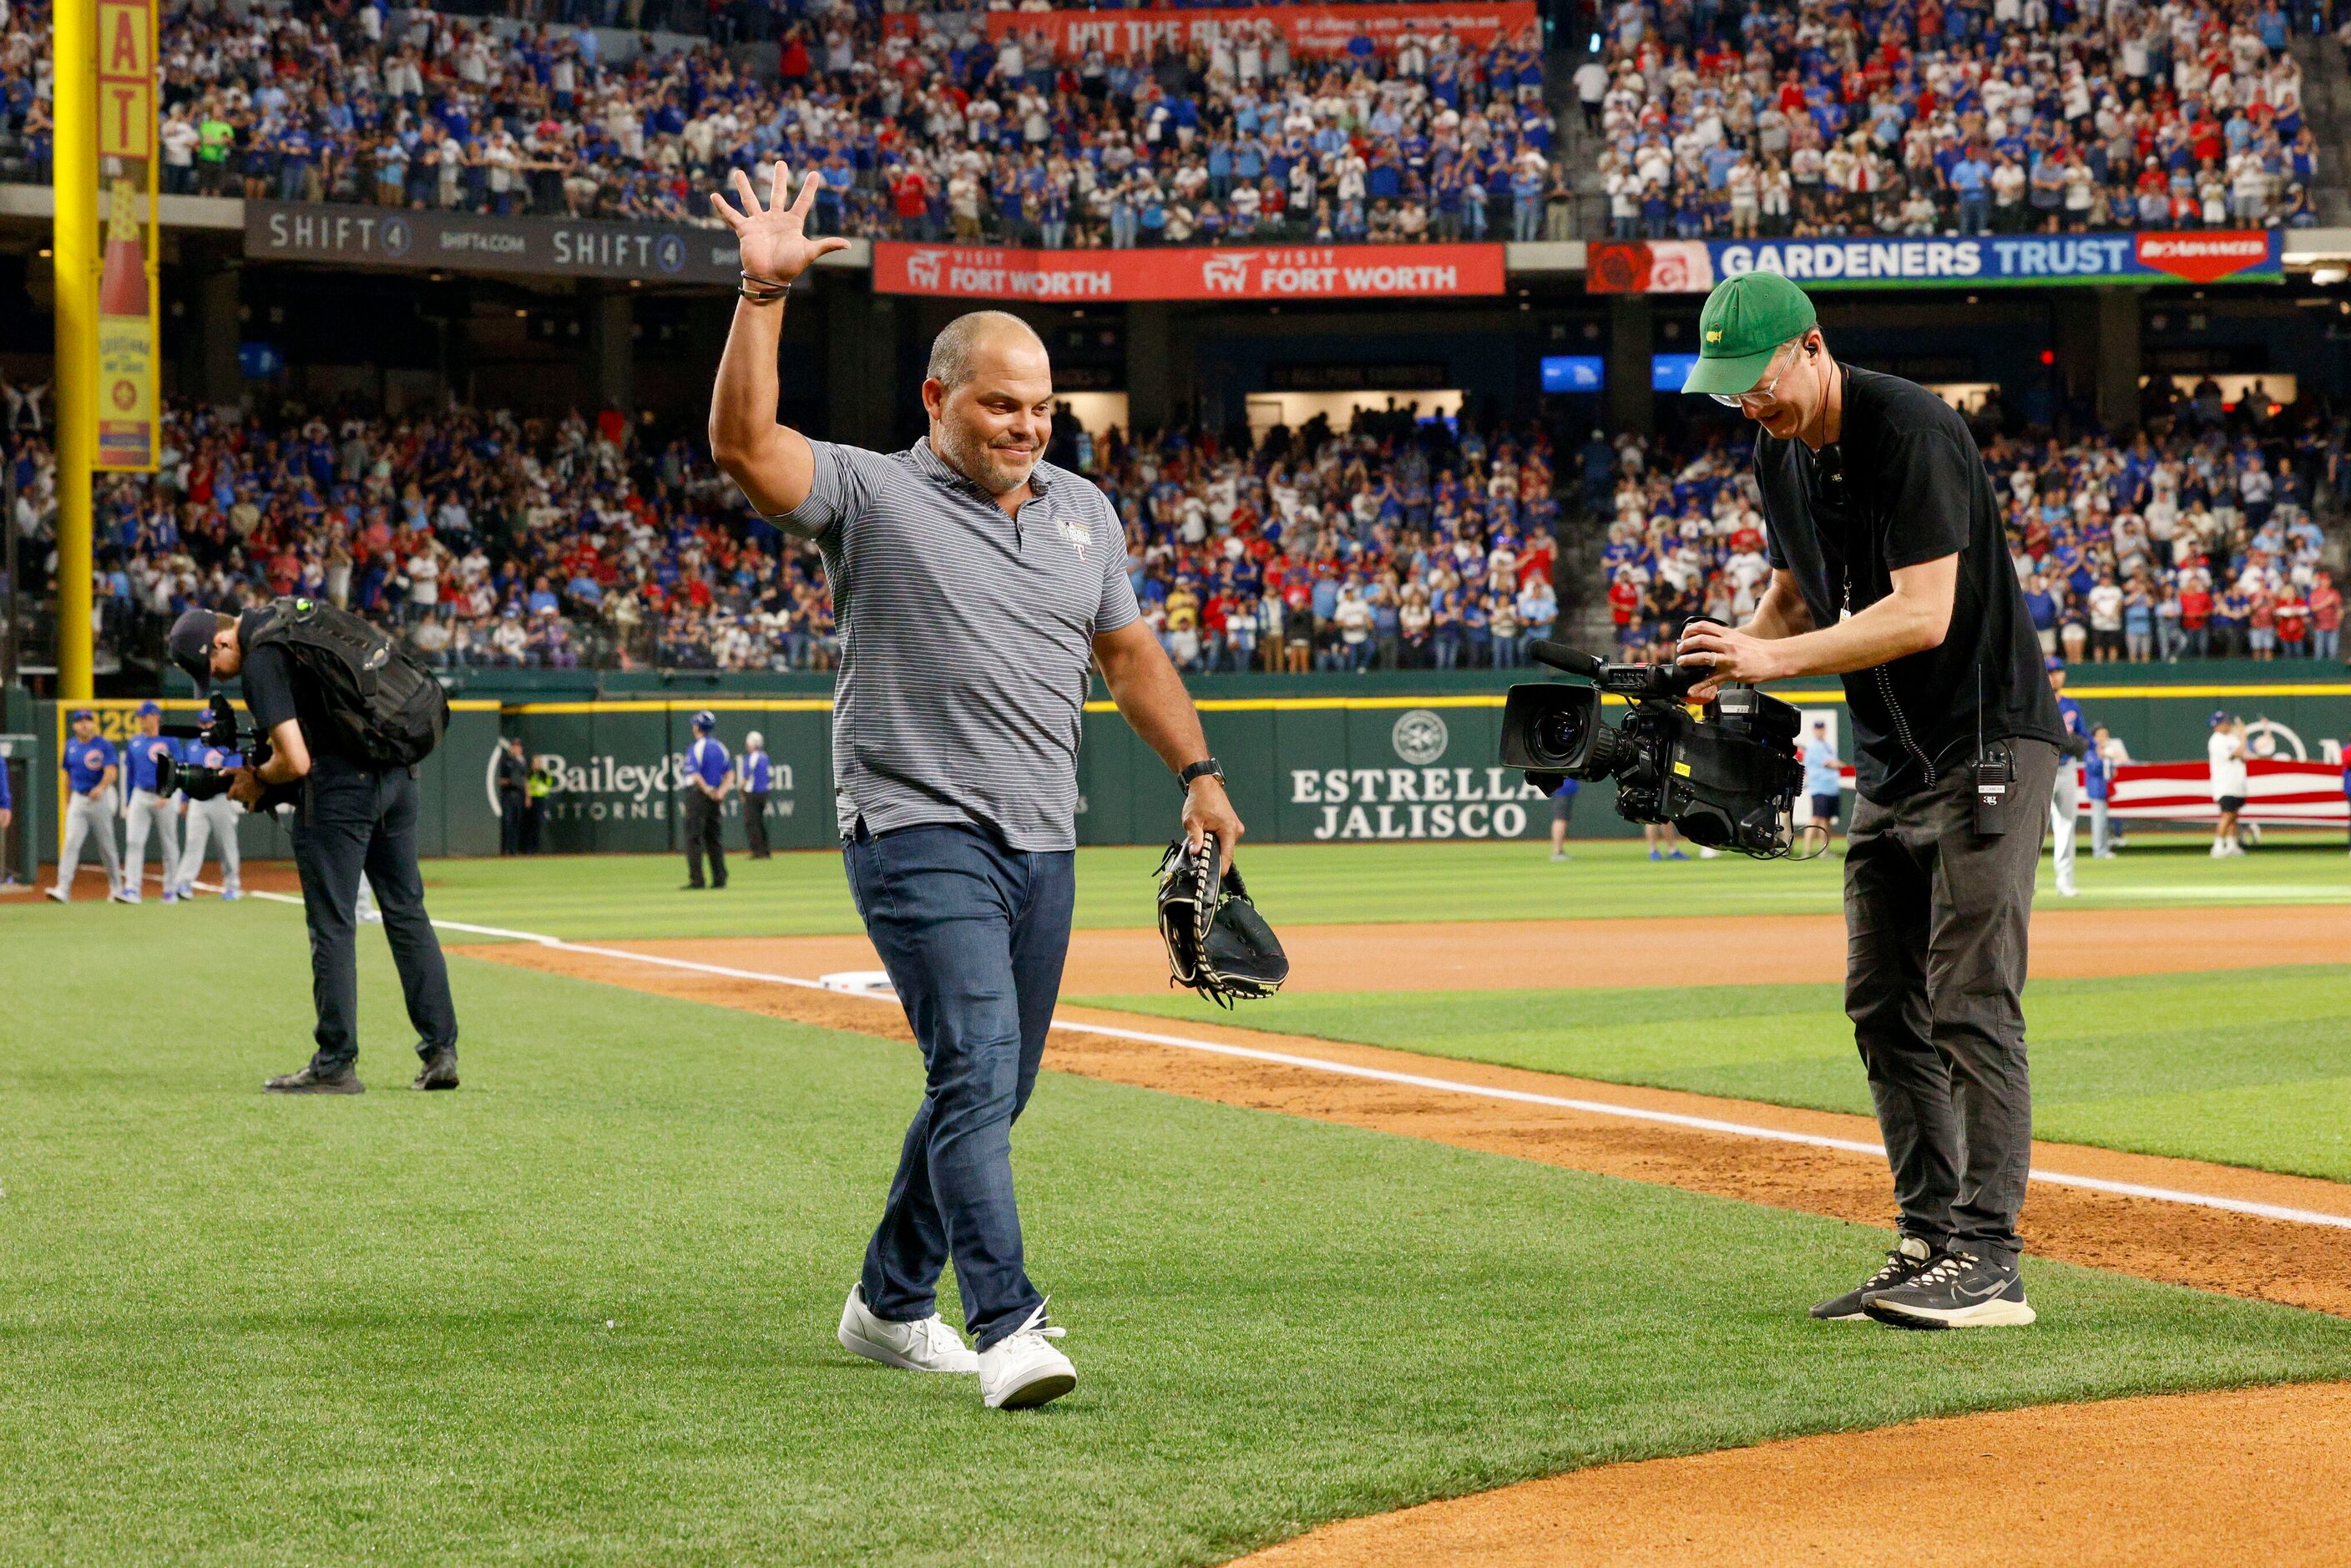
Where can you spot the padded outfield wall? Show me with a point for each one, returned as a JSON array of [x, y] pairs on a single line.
[[1393, 755]]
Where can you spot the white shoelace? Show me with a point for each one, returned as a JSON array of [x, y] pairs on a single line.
[[1947, 1269], [1037, 1327]]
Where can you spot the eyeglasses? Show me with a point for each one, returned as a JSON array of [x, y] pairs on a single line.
[[1757, 397]]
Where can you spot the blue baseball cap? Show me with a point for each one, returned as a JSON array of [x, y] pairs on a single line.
[[150, 710], [79, 714], [706, 720], [2220, 716], [2053, 663]]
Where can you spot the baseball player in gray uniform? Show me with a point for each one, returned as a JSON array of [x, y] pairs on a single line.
[[150, 810], [210, 819], [91, 769]]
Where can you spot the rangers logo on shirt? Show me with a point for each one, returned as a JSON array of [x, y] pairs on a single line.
[[1080, 536]]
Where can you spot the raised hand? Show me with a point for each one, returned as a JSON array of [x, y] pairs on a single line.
[[773, 239]]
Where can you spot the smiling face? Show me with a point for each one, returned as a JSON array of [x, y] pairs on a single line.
[[992, 421]]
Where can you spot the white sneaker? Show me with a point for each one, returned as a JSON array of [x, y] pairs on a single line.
[[2219, 850], [58, 894], [122, 896], [927, 1345], [1023, 1369], [2067, 890]]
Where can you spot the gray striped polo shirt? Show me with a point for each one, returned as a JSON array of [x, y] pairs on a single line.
[[966, 640]]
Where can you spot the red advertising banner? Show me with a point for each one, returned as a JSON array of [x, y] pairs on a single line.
[[1310, 29], [1219, 272]]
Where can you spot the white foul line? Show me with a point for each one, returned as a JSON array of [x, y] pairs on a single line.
[[1416, 1080]]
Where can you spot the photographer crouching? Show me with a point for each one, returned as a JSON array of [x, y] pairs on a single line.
[[1889, 568], [341, 716]]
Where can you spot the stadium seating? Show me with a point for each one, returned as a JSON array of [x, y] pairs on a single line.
[[2202, 540], [1940, 118], [917, 135], [501, 542]]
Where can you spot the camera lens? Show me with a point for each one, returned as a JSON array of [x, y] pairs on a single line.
[[1559, 735]]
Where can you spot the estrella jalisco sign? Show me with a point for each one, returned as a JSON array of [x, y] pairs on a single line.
[[1985, 261]]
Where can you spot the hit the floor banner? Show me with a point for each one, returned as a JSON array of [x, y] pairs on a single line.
[[1989, 261], [1219, 272]]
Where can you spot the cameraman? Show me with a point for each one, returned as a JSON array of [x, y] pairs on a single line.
[[1890, 568], [349, 818]]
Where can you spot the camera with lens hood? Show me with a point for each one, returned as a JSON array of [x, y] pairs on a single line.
[[1726, 777], [218, 730]]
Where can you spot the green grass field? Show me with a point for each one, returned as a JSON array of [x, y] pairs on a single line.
[[581, 1311], [619, 896], [2246, 1067]]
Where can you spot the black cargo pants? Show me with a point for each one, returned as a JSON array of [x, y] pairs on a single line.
[[354, 821], [1936, 918]]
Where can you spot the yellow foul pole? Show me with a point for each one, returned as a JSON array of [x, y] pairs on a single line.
[[75, 245]]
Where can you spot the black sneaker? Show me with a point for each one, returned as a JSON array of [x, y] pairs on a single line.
[[440, 1069], [689, 887], [1908, 1259], [310, 1080], [1961, 1290]]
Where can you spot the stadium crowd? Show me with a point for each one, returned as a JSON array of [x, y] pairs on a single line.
[[493, 541], [1924, 117], [918, 133], [2200, 540]]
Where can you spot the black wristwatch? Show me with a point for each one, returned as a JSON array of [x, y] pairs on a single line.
[[1207, 767]]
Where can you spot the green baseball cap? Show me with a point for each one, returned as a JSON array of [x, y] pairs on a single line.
[[1746, 319]]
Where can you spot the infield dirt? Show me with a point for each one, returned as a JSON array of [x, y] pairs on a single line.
[[1525, 954], [2259, 1475]]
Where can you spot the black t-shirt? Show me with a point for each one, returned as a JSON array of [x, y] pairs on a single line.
[[1904, 485], [276, 691]]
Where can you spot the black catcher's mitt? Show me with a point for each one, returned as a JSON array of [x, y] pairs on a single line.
[[1218, 944]]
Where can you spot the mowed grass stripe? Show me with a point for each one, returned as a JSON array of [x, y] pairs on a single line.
[[580, 1310], [620, 897], [2245, 1067]]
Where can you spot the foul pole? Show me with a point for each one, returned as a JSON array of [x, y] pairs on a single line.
[[75, 182]]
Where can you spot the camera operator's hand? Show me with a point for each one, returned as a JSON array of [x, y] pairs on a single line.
[[1730, 654], [244, 789]]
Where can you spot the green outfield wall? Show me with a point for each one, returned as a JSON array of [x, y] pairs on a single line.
[[1386, 756]]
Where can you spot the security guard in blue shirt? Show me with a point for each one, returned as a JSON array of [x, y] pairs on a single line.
[[91, 769], [150, 810], [709, 775], [756, 774]]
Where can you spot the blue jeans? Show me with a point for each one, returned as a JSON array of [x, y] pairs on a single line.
[[973, 935]]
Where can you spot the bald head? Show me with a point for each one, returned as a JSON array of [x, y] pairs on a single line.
[[990, 394], [971, 337]]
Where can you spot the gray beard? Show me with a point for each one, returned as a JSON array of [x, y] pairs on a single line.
[[978, 462]]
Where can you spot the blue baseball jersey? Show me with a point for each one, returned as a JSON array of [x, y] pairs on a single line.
[[1821, 774], [140, 754], [205, 756], [6, 802], [706, 760], [2097, 776], [2071, 712], [757, 772], [87, 762]]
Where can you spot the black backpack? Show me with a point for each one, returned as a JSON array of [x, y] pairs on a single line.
[[387, 709]]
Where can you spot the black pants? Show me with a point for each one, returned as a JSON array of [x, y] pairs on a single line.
[[754, 822], [354, 821], [702, 822], [510, 824], [533, 813], [1936, 919]]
